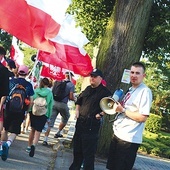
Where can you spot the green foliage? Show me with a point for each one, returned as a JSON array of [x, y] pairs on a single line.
[[158, 36], [153, 123], [5, 40], [156, 144], [92, 16], [157, 81], [28, 52], [78, 85]]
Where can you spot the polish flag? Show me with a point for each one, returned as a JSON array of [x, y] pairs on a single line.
[[15, 53], [34, 22], [70, 53], [52, 71]]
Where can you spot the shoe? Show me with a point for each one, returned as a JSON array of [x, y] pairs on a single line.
[[45, 143], [31, 154], [28, 149], [58, 136], [5, 149]]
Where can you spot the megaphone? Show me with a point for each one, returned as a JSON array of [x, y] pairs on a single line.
[[109, 104]]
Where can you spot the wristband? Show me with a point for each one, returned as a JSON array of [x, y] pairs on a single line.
[[124, 110]]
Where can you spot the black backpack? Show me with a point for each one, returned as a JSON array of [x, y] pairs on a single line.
[[17, 98], [59, 90]]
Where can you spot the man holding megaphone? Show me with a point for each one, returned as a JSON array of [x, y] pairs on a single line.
[[129, 124], [89, 115]]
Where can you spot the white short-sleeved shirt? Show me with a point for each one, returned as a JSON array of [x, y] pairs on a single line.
[[140, 100]]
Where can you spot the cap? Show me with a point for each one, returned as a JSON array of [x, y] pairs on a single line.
[[11, 63], [23, 70], [97, 72], [69, 73]]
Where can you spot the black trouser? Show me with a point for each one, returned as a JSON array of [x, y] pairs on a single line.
[[84, 148], [122, 154]]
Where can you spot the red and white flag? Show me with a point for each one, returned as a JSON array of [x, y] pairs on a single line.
[[43, 24], [15, 53], [52, 71], [70, 53], [34, 22]]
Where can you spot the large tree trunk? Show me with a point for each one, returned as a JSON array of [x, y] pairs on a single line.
[[121, 46]]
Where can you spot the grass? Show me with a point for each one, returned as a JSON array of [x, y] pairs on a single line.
[[156, 144]]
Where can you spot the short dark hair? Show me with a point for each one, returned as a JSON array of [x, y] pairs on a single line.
[[44, 82], [139, 64], [2, 51]]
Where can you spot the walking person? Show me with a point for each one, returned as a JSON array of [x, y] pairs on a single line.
[[129, 125], [60, 105], [15, 109], [4, 86], [11, 67], [38, 119], [89, 115]]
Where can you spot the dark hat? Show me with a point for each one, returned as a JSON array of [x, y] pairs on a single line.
[[96, 72], [69, 73], [2, 51], [11, 63]]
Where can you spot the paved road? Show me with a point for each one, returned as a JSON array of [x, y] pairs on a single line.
[[142, 162], [47, 158]]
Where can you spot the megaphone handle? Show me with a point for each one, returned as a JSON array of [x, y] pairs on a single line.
[[110, 121]]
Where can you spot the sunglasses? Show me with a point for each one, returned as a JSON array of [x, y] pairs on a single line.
[[93, 76]]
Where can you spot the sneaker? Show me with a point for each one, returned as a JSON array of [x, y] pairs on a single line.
[[31, 154], [58, 136], [5, 149], [45, 143], [28, 149]]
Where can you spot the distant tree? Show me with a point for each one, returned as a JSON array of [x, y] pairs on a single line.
[[5, 40]]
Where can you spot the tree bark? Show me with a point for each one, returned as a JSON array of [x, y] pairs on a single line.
[[120, 47]]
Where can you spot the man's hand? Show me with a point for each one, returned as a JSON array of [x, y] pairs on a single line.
[[76, 114], [119, 108], [99, 115]]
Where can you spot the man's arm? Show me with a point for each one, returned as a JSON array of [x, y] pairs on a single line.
[[77, 111], [3, 98], [132, 115], [71, 96]]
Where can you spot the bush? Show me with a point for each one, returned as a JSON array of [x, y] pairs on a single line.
[[156, 144], [153, 123]]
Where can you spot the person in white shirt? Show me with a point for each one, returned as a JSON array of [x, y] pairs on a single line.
[[128, 128]]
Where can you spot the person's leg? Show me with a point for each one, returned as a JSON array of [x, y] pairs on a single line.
[[64, 111], [1, 126], [89, 145], [27, 122], [31, 137], [77, 152], [7, 144], [4, 135], [34, 143], [122, 155], [51, 122], [23, 125], [131, 155]]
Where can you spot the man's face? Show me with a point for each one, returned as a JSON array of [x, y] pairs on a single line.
[[136, 75], [95, 80]]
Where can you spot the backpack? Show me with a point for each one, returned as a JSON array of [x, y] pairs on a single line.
[[59, 90], [17, 98], [40, 106]]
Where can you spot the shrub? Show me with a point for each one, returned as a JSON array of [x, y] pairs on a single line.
[[153, 123]]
